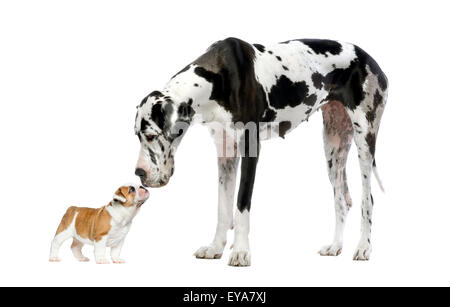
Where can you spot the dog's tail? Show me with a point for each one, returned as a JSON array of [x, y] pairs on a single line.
[[377, 176]]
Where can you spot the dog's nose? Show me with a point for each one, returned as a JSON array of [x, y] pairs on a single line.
[[141, 174]]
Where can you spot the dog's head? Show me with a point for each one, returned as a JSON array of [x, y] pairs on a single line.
[[131, 195], [160, 125]]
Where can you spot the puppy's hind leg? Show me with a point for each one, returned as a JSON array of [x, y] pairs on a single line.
[[64, 232], [56, 244], [76, 250], [337, 135]]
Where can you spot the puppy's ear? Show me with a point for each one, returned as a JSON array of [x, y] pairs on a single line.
[[119, 197]]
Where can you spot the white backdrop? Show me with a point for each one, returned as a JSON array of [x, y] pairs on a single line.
[[72, 72]]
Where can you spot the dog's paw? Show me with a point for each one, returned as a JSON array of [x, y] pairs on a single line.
[[102, 261], [119, 261], [83, 259], [239, 258], [363, 252], [331, 250], [54, 259], [209, 252]]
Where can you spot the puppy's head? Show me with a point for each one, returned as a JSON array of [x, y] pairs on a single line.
[[130, 195]]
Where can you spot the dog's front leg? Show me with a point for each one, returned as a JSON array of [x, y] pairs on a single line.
[[100, 251], [227, 163], [115, 252], [241, 249]]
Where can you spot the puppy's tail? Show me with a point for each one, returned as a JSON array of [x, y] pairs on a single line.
[[377, 176]]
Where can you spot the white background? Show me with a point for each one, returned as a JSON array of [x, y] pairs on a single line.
[[72, 72]]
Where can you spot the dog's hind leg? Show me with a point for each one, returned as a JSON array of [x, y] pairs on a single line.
[[58, 240], [63, 233], [76, 251], [337, 136], [366, 121], [227, 163]]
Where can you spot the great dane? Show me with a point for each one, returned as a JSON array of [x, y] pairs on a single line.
[[246, 93]]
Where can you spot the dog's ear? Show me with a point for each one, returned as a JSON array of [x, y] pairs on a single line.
[[120, 196], [185, 111], [161, 113], [158, 115]]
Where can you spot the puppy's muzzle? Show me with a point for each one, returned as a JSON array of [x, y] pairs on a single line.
[[142, 196]]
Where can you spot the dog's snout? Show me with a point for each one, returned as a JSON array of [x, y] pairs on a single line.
[[141, 173]]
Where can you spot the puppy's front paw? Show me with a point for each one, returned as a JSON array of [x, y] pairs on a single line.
[[239, 258], [54, 259], [331, 250], [119, 260], [102, 261], [363, 252], [209, 252]]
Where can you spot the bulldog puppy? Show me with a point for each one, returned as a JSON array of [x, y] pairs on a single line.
[[103, 227]]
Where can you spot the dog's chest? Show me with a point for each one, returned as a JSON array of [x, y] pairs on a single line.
[[117, 233]]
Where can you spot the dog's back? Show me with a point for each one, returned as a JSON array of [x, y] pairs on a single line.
[[90, 224]]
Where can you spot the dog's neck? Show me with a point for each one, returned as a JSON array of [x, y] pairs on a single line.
[[120, 214], [188, 87]]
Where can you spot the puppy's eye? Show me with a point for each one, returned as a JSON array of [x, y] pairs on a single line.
[[150, 137], [132, 189]]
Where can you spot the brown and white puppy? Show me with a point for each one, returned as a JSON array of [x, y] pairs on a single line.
[[103, 227]]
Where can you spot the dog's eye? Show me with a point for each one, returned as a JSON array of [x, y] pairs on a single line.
[[150, 137], [132, 189]]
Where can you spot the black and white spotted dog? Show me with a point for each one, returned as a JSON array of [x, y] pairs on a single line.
[[236, 85]]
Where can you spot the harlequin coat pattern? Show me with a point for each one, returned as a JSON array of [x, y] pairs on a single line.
[[236, 86]]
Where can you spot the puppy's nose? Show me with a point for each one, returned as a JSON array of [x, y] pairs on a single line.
[[141, 174]]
